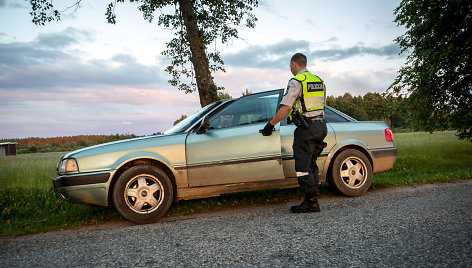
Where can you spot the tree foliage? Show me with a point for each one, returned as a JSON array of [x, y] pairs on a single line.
[[375, 107], [196, 25], [224, 96], [215, 19], [437, 77], [246, 93], [181, 118]]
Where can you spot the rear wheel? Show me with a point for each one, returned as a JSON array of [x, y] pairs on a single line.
[[351, 173], [143, 194]]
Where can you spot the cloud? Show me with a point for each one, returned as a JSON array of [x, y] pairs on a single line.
[[120, 95], [17, 55], [45, 49], [358, 82], [334, 54], [277, 55], [43, 71], [4, 4], [45, 65], [311, 23], [67, 73], [67, 37], [267, 6], [270, 56]]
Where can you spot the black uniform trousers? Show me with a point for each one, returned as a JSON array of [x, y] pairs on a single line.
[[307, 146]]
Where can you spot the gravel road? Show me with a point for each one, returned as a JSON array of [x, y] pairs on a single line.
[[427, 225]]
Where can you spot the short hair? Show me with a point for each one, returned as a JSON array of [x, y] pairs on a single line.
[[300, 59]]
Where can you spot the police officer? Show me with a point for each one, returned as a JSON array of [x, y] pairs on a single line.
[[304, 102]]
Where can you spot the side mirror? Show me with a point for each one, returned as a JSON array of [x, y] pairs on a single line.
[[204, 125]]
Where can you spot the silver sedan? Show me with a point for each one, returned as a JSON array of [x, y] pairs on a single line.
[[219, 150]]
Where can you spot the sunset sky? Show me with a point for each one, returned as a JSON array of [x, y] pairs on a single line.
[[84, 76]]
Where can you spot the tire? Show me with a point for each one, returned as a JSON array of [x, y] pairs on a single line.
[[351, 173], [143, 194]]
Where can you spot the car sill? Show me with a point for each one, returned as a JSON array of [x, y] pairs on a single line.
[[230, 162]]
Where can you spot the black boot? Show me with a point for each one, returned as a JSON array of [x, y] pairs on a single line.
[[310, 204]]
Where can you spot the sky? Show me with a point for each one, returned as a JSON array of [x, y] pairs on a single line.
[[83, 76]]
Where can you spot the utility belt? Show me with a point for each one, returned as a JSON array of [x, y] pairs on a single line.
[[314, 118], [302, 121]]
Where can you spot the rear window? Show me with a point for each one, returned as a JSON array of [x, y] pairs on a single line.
[[332, 117]]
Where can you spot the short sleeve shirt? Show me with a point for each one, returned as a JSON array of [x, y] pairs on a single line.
[[293, 92]]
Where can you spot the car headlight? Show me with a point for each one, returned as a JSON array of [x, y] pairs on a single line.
[[68, 165]]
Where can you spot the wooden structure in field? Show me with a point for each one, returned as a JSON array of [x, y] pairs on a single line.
[[7, 148]]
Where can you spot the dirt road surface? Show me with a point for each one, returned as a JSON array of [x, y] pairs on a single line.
[[407, 226]]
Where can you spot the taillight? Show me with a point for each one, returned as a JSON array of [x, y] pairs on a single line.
[[388, 135]]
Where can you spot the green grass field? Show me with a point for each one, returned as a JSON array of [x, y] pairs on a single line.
[[424, 157], [27, 196]]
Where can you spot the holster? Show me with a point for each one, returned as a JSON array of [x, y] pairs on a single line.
[[299, 120], [322, 148]]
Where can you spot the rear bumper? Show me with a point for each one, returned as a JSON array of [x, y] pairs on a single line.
[[91, 189], [384, 159]]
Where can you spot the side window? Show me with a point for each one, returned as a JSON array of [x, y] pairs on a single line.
[[332, 117], [251, 109]]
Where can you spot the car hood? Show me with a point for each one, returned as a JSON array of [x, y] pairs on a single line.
[[165, 148], [111, 146]]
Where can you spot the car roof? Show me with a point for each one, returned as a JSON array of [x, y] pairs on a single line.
[[252, 94]]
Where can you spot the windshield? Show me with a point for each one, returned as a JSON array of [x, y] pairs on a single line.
[[187, 122]]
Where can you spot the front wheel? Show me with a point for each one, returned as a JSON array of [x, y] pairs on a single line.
[[143, 194], [351, 173]]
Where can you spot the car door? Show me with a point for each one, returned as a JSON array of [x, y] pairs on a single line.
[[232, 150]]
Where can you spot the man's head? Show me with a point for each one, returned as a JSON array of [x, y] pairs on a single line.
[[297, 63]]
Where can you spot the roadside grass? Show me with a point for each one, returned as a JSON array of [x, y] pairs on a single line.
[[27, 197]]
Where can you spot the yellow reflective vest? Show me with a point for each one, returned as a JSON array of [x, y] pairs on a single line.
[[313, 93]]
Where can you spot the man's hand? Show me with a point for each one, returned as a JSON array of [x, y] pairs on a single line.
[[267, 130], [283, 111]]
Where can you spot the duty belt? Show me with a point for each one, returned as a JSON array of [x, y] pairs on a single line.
[[318, 117]]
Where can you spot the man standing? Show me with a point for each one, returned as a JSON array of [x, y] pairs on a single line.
[[304, 101]]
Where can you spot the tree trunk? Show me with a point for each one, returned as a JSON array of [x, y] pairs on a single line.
[[205, 84]]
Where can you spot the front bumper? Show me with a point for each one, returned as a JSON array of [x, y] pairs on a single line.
[[81, 179], [91, 189]]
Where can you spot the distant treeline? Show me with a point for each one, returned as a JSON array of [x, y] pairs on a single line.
[[376, 107], [63, 144]]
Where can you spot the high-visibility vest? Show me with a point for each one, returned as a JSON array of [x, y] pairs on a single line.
[[313, 93]]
